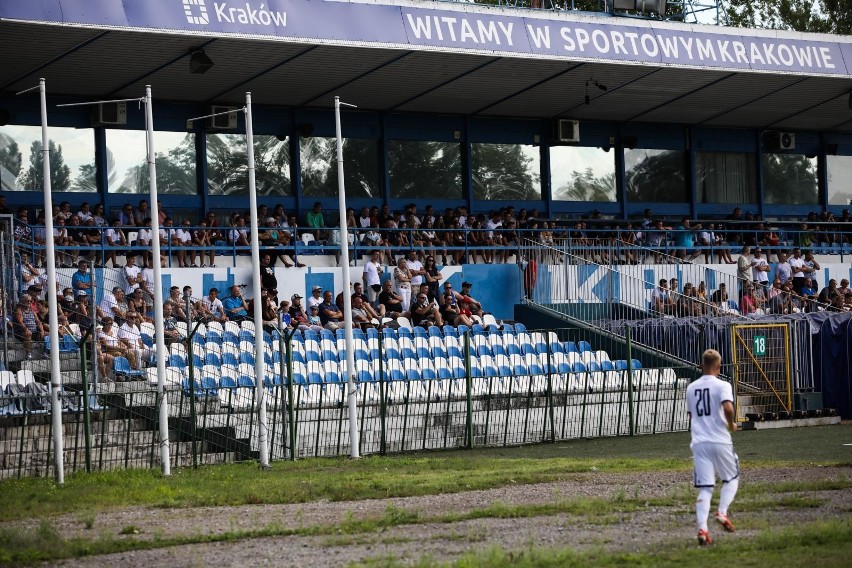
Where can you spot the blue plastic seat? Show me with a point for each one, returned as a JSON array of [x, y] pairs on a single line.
[[435, 331], [579, 367], [230, 337], [585, 346], [635, 363], [213, 336], [520, 327], [420, 332], [477, 329], [122, 368], [450, 331], [570, 347], [172, 361], [620, 365], [247, 357]]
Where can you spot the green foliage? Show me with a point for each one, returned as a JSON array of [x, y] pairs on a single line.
[[825, 16], [504, 172], [422, 168], [659, 177], [360, 167], [584, 186], [10, 162], [227, 164], [60, 174], [789, 179]]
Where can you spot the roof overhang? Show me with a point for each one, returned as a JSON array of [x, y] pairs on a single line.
[[432, 58]]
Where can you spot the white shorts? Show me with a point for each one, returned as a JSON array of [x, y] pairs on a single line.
[[712, 460]]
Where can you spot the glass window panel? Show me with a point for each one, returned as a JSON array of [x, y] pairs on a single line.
[[580, 173], [509, 172], [789, 179], [319, 167], [227, 164], [655, 175], [72, 159], [726, 177], [421, 169], [127, 163], [839, 176]]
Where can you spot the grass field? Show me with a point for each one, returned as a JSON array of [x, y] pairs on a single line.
[[548, 505]]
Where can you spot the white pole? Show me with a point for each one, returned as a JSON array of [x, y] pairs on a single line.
[[347, 297], [259, 364], [53, 314], [160, 339]]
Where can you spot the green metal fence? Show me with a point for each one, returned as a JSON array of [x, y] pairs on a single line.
[[115, 426]]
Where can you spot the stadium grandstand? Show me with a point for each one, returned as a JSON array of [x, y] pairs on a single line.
[[550, 214]]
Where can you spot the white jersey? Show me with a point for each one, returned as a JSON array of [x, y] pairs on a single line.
[[416, 280], [704, 398], [131, 272], [796, 265]]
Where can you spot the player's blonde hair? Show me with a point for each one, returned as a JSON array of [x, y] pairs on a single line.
[[710, 359]]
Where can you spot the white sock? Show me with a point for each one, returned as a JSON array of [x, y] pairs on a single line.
[[702, 506], [729, 490]]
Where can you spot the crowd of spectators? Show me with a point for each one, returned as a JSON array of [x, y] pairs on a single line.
[[454, 236]]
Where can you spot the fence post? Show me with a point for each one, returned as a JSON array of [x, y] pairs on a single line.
[[382, 401], [189, 350], [628, 336], [87, 417], [469, 394], [550, 389], [291, 406]]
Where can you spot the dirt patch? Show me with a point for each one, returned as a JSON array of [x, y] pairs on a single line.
[[648, 525]]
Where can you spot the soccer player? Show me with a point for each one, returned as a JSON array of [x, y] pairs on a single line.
[[710, 403]]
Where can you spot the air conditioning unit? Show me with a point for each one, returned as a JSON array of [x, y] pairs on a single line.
[[782, 141], [109, 113], [222, 121], [566, 131]]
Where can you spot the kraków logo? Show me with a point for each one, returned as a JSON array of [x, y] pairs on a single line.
[[198, 17]]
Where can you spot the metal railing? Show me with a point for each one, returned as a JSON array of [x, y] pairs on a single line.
[[463, 245]]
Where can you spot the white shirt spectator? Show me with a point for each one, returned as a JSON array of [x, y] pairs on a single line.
[[111, 339], [491, 225], [235, 234], [373, 272], [796, 265], [131, 273], [131, 333], [756, 272], [313, 301], [783, 271], [143, 237], [114, 236], [107, 304], [185, 237], [214, 306], [84, 216], [413, 265]]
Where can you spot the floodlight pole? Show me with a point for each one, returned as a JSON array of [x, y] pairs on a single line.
[[53, 313], [259, 363], [158, 289], [354, 450]]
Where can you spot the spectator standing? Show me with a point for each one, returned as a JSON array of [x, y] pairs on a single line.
[[798, 269], [783, 270], [432, 276], [372, 276], [132, 274], [415, 268], [744, 266], [402, 282], [760, 269]]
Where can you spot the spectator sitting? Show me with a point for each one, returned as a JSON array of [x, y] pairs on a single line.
[[425, 312], [809, 293], [298, 318], [372, 313], [452, 310], [26, 324], [661, 298], [212, 306], [331, 317], [170, 330], [235, 305], [469, 301], [114, 237], [314, 320], [316, 297], [828, 292], [238, 236], [315, 221], [391, 301], [360, 317], [748, 304]]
